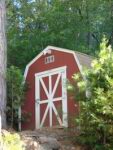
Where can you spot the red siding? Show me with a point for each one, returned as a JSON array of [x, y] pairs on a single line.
[[61, 59]]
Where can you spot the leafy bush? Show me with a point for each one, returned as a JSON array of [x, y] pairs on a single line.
[[10, 141], [15, 94], [96, 101]]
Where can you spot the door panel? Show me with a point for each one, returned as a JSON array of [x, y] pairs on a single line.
[[51, 98]]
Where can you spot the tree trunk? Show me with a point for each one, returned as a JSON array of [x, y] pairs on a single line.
[[3, 59], [88, 36]]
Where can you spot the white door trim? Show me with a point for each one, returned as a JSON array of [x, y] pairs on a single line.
[[61, 71], [51, 70]]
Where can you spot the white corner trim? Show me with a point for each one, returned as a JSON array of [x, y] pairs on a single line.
[[0, 124], [19, 118], [54, 49]]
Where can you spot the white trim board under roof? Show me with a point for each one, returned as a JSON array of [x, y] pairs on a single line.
[[80, 58]]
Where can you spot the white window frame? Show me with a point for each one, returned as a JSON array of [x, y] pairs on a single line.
[[49, 59]]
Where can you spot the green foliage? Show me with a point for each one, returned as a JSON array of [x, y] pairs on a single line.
[[10, 141], [72, 24], [15, 93], [96, 101]]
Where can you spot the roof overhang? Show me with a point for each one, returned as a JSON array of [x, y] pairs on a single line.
[[48, 50]]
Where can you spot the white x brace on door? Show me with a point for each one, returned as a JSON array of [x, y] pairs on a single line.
[[50, 88]]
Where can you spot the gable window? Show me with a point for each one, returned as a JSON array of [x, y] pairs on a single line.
[[49, 59]]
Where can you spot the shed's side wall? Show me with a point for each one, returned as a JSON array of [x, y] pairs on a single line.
[[61, 59]]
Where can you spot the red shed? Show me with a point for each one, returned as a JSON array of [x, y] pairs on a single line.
[[47, 98]]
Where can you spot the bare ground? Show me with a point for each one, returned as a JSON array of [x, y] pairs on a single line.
[[50, 139]]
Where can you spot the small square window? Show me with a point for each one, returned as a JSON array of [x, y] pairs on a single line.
[[49, 59]]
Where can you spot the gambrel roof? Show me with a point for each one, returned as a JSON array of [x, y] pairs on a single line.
[[82, 60]]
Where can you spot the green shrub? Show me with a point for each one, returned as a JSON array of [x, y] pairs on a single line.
[[10, 141], [96, 101], [15, 94]]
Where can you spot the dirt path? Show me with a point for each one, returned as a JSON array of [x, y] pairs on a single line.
[[49, 139]]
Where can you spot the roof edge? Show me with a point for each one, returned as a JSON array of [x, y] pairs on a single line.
[[54, 48]]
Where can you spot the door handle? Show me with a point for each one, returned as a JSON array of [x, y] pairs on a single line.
[[37, 101]]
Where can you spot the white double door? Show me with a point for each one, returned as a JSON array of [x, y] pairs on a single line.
[[51, 98]]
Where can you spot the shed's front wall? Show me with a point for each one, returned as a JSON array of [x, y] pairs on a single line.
[[60, 59]]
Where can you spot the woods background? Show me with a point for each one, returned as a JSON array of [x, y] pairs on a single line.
[[77, 25]]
